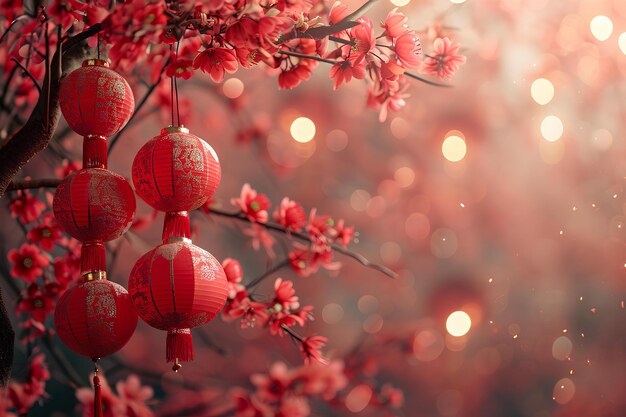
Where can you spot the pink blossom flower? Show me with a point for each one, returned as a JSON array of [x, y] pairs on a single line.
[[32, 330], [261, 237], [234, 275], [344, 72], [26, 207], [28, 262], [292, 406], [252, 313], [252, 204], [249, 405], [111, 404], [395, 23], [47, 234], [292, 77], [342, 234], [66, 168], [445, 59], [285, 295], [216, 61], [180, 68], [290, 215], [133, 397], [408, 49], [37, 303], [338, 12], [67, 268], [363, 40], [274, 385], [311, 348]]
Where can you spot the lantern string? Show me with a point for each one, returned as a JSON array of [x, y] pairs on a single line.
[[172, 90], [98, 44], [97, 392], [176, 88]]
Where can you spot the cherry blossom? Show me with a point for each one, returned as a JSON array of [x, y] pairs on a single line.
[[28, 262], [290, 214], [445, 60], [26, 207], [46, 234], [254, 205]]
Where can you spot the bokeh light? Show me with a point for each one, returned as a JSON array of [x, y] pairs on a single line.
[[601, 27], [332, 313], [302, 129], [454, 148], [564, 391], [542, 91], [458, 323], [400, 3], [358, 398], [621, 41], [552, 128], [404, 176], [233, 88], [562, 348]]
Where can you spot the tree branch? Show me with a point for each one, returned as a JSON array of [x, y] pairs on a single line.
[[6, 349], [35, 135], [301, 236], [267, 273]]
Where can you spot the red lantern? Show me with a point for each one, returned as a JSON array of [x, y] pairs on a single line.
[[176, 171], [177, 286], [96, 317], [94, 204], [96, 100]]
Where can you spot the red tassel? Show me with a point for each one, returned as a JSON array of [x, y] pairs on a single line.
[[92, 258], [176, 225], [97, 395], [94, 152], [179, 346]]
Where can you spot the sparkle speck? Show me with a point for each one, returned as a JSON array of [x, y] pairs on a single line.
[[462, 205], [564, 330], [490, 280]]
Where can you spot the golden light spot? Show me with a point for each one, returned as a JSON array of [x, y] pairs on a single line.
[[542, 91], [302, 129], [458, 323], [621, 41], [601, 27], [552, 128], [400, 3], [454, 148]]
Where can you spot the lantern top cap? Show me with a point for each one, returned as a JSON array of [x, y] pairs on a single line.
[[94, 62], [174, 129], [95, 276]]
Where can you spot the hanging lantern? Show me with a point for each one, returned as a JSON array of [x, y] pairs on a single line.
[[94, 204], [178, 286], [96, 317], [95, 100], [176, 171]]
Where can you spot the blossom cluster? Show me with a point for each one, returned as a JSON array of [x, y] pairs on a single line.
[[46, 264], [279, 314], [20, 396], [319, 232], [178, 38]]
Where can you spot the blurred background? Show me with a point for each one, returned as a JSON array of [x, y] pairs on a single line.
[[500, 203]]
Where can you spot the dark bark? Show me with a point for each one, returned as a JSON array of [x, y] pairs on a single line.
[[31, 139], [7, 335], [36, 133]]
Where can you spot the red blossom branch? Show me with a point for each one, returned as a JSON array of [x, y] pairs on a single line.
[[301, 236]]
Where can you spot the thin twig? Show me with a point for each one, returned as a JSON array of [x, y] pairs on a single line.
[[272, 226], [360, 11], [28, 74], [416, 77], [267, 273], [313, 57], [32, 184]]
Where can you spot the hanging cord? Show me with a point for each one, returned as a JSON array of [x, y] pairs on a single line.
[[98, 45], [172, 85], [176, 88], [97, 392]]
